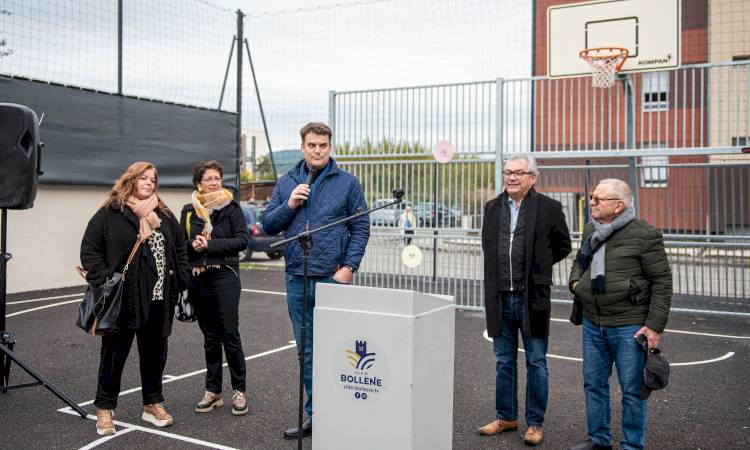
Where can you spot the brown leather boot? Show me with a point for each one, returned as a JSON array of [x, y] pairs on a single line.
[[533, 435], [498, 426]]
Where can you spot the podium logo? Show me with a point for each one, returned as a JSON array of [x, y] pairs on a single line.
[[360, 359], [358, 377]]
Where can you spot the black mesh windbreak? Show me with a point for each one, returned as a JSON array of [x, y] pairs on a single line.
[[90, 138]]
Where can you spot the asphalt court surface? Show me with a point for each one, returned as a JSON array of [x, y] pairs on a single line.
[[706, 406]]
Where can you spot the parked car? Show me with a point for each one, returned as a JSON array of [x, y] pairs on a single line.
[[430, 215], [259, 241], [387, 217]]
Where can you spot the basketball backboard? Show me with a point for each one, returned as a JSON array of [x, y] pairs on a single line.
[[648, 29]]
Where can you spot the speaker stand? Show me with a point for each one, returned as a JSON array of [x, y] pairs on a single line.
[[7, 341]]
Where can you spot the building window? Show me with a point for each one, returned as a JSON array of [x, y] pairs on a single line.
[[655, 88], [654, 171], [740, 141]]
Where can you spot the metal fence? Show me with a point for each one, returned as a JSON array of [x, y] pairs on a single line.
[[675, 136]]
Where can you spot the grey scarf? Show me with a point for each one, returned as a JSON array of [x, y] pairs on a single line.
[[602, 233]]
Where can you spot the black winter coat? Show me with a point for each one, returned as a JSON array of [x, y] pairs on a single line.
[[106, 245], [547, 242], [228, 238]]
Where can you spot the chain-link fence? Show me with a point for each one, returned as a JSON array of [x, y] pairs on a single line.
[[169, 51]]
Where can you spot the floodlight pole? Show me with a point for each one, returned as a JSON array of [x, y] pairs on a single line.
[[627, 85], [240, 31], [262, 113]]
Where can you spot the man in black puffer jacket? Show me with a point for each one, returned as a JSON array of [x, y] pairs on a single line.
[[623, 287]]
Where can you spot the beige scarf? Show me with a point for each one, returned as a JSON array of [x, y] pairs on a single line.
[[204, 204], [144, 210], [208, 202]]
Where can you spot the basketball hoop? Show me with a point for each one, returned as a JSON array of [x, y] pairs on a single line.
[[605, 62]]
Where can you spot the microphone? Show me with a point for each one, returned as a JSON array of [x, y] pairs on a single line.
[[312, 173], [397, 194]]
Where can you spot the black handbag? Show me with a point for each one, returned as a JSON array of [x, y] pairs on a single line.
[[183, 310], [100, 307]]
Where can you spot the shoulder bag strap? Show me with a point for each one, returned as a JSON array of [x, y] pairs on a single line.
[[132, 254]]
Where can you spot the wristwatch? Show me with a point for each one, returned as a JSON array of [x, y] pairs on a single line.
[[349, 267]]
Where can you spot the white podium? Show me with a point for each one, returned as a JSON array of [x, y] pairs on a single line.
[[382, 369]]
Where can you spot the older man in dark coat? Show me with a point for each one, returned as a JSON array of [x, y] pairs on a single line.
[[523, 235], [622, 284]]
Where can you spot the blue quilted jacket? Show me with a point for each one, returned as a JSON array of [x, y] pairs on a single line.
[[337, 194]]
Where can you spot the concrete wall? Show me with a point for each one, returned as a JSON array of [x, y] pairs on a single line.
[[45, 240]]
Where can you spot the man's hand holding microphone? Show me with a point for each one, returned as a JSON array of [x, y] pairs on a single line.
[[302, 191]]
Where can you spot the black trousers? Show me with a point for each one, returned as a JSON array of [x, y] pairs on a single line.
[[152, 351], [216, 296]]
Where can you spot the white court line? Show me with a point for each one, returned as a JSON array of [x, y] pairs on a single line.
[[132, 427], [106, 438], [43, 299], [550, 355], [686, 310], [706, 361], [78, 300], [707, 334], [191, 374], [81, 298], [264, 292], [689, 363], [696, 333]]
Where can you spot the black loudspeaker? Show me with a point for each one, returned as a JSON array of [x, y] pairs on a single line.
[[20, 161]]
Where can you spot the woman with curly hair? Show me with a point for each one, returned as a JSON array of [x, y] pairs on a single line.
[[134, 219]]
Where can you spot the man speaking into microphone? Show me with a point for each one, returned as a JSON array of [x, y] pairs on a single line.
[[314, 193]]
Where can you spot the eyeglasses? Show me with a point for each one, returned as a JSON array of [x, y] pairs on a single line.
[[517, 174], [595, 200], [211, 180]]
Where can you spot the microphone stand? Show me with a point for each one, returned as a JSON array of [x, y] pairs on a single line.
[[306, 242]]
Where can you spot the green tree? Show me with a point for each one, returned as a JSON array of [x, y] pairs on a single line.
[[469, 180], [263, 169]]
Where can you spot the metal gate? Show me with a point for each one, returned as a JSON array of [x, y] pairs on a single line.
[[677, 137]]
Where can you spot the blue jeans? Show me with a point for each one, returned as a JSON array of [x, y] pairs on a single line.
[[294, 298], [506, 367], [603, 346]]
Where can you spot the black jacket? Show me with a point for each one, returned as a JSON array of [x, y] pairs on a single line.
[[228, 238], [106, 245], [547, 241]]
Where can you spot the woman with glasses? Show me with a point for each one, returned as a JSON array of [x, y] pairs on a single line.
[[134, 219], [215, 232]]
